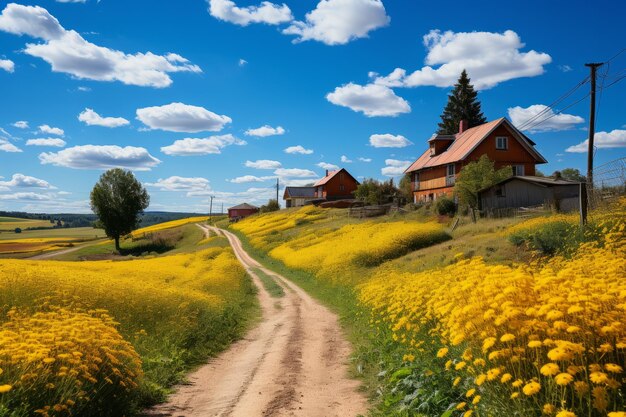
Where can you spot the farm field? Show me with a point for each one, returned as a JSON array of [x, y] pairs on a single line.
[[129, 329], [32, 242], [502, 317], [11, 223]]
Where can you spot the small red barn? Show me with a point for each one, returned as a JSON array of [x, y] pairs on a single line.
[[336, 185], [242, 210]]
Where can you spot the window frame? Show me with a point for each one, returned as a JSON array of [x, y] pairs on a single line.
[[506, 143], [517, 168]]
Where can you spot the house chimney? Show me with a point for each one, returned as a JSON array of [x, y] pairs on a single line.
[[463, 125], [326, 172]]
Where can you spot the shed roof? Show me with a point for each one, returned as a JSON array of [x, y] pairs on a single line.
[[243, 206], [330, 176], [540, 181], [302, 192], [464, 143]]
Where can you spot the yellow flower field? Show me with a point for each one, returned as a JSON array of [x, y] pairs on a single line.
[[168, 225], [77, 336]]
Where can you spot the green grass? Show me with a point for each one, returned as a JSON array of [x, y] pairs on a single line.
[[269, 283], [11, 223], [81, 233]]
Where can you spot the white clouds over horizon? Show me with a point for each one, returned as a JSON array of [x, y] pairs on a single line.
[[265, 131], [263, 164], [267, 12], [25, 181], [372, 100], [180, 117], [101, 157], [395, 167], [337, 22], [250, 178], [388, 140], [602, 140], [176, 183], [6, 146], [202, 146], [68, 52], [327, 166], [295, 172], [298, 149], [49, 130], [550, 121], [91, 118], [53, 142], [7, 65], [20, 124]]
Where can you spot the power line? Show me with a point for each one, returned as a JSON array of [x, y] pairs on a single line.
[[556, 113]]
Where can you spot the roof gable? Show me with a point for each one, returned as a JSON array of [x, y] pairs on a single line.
[[304, 192], [466, 142], [331, 175], [244, 206]]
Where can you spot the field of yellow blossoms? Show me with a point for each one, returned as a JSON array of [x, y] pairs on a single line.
[[475, 338], [168, 225], [100, 338]]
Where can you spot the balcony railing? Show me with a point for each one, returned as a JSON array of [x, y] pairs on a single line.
[[433, 183], [450, 181]]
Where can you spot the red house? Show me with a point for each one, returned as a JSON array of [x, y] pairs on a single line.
[[434, 173], [336, 185], [242, 210]]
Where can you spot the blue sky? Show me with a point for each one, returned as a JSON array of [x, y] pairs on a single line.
[[221, 97]]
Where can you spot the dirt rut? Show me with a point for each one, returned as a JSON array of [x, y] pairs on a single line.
[[293, 363]]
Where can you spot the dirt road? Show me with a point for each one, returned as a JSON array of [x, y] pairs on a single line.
[[294, 363]]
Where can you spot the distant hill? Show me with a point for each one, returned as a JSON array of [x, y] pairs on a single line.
[[85, 220]]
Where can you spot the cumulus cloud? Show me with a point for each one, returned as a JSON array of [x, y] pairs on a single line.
[[263, 164], [7, 65], [176, 183], [371, 99], [266, 12], [602, 140], [25, 181], [489, 58], [28, 196], [204, 146], [21, 124], [388, 140], [54, 142], [242, 62], [295, 172], [299, 149], [68, 52], [326, 165], [265, 130], [101, 157], [49, 130], [250, 178], [365, 159], [91, 118], [553, 122], [179, 117], [6, 146], [336, 22], [394, 167], [345, 159]]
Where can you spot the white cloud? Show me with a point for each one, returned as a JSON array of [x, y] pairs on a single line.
[[91, 118], [21, 124], [371, 99], [29, 196], [25, 181], [565, 68], [388, 140], [250, 178], [336, 22], [326, 165], [242, 62], [7, 65], [268, 13], [68, 52], [602, 140], [365, 159], [84, 89], [176, 183], [49, 130], [6, 146], [553, 122], [55, 142], [298, 149], [297, 182], [345, 159], [295, 172], [394, 167], [101, 157], [205, 146], [263, 164], [179, 117], [265, 130], [489, 58]]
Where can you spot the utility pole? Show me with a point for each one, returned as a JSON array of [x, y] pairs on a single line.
[[211, 209], [592, 121], [222, 212], [277, 193]]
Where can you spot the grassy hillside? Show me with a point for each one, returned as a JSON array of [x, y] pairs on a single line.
[[9, 224], [100, 338], [455, 323]]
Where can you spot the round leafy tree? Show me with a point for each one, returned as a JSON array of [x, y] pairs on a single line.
[[118, 200]]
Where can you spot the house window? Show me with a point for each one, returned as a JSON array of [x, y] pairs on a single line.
[[518, 170], [500, 191], [432, 149], [341, 187], [502, 142], [416, 181], [450, 175]]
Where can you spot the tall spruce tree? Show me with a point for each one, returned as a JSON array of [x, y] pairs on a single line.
[[462, 104]]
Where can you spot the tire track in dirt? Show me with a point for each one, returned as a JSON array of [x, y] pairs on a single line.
[[293, 363]]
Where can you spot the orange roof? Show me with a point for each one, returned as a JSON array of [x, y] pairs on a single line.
[[330, 175], [464, 143]]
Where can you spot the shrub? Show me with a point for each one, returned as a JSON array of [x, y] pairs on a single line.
[[18, 230], [446, 206]]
